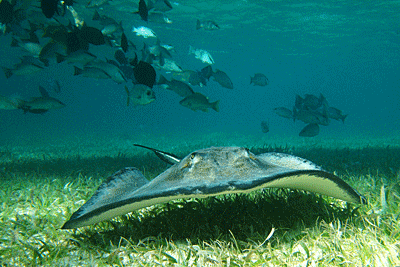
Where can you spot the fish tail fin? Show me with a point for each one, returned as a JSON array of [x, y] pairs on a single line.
[[127, 92], [344, 117], [7, 72], [215, 106], [190, 49], [161, 60], [19, 103], [88, 4], [134, 61], [165, 52], [60, 58], [14, 42], [45, 61], [198, 24], [294, 114], [43, 91], [322, 99], [77, 71], [96, 15], [33, 27], [162, 80], [251, 80]]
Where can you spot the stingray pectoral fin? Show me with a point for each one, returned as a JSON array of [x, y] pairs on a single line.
[[209, 172], [112, 190], [310, 177], [288, 161], [316, 181]]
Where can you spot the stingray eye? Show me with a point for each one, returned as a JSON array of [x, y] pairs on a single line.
[[246, 152], [195, 158], [190, 161], [249, 154]]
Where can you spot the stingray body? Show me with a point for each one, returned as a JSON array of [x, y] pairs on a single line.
[[208, 172]]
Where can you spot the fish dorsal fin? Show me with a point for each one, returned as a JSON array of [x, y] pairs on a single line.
[[43, 91]]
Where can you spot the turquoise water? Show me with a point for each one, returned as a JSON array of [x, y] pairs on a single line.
[[51, 163], [346, 50]]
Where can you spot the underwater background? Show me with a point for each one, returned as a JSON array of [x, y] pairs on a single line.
[[346, 50]]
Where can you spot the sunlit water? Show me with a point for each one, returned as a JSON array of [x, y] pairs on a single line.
[[346, 50]]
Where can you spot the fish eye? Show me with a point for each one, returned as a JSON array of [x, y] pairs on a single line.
[[148, 93]]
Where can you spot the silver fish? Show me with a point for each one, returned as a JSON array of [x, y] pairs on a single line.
[[91, 72], [284, 112], [144, 31], [7, 103], [209, 25], [80, 56], [169, 65], [113, 71], [310, 130], [159, 5], [336, 114], [96, 3], [140, 94], [31, 47], [178, 87], [223, 79], [109, 29], [198, 101], [159, 17], [265, 126], [40, 105], [202, 55], [311, 116], [192, 77], [25, 67], [259, 79]]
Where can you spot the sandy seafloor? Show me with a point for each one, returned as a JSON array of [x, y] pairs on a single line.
[[85, 155], [178, 143], [52, 158], [103, 146]]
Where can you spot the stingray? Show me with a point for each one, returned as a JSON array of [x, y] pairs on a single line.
[[205, 173]]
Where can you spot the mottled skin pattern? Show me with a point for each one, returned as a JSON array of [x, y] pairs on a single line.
[[208, 164]]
